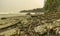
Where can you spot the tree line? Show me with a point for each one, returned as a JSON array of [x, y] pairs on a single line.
[[49, 6], [34, 10]]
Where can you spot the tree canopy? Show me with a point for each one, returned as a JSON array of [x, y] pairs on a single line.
[[34, 10], [52, 5]]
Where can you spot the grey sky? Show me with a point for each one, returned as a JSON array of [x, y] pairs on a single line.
[[13, 6]]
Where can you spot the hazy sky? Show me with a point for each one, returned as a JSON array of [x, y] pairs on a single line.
[[11, 6]]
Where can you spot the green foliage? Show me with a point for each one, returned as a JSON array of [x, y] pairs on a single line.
[[52, 5], [34, 10]]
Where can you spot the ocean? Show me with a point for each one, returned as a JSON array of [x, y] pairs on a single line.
[[11, 15]]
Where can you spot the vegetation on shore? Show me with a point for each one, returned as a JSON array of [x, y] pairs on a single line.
[[34, 10]]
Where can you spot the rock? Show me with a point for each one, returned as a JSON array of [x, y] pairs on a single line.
[[41, 29]]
